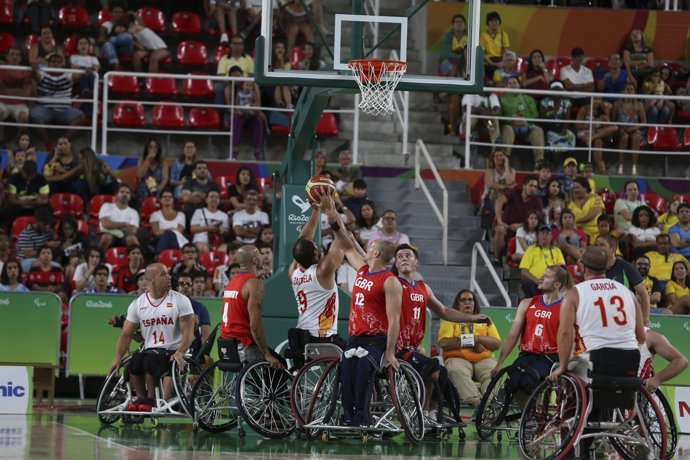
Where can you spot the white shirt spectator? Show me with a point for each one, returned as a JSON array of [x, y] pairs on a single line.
[[205, 217], [584, 75], [82, 269], [128, 215], [346, 275], [84, 62], [246, 220], [644, 235]]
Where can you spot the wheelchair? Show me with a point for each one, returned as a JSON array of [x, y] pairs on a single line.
[[593, 408], [498, 409], [230, 391], [117, 394]]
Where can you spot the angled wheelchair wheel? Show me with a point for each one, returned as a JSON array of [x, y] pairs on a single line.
[[669, 419], [303, 386], [114, 395], [494, 404], [263, 399], [553, 418], [213, 400], [645, 429], [404, 391], [184, 380], [323, 403]]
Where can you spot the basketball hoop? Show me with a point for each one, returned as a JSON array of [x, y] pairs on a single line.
[[377, 79]]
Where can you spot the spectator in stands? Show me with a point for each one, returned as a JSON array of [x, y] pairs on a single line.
[[312, 58], [520, 106], [587, 171], [235, 58], [680, 233], [282, 95], [569, 176], [39, 14], [511, 209], [84, 275], [196, 188], [629, 110], [624, 207], [142, 284], [247, 222], [247, 100], [152, 173], [168, 224], [11, 277], [101, 274], [554, 203], [389, 230], [662, 259], [638, 57], [266, 253], [6, 251], [499, 177], [46, 276], [537, 259], [295, 21], [114, 38], [54, 104], [320, 163], [126, 275], [224, 273], [98, 174], [182, 169], [559, 136], [345, 276], [586, 206], [265, 237], [367, 223], [600, 133], [63, 169], [604, 228], [87, 62], [148, 45], [677, 290], [345, 173], [16, 83], [23, 144], [544, 170], [485, 104], [537, 75], [494, 41], [507, 69], [224, 13], [44, 47], [653, 286], [684, 104], [36, 235], [616, 78], [190, 261], [670, 217], [526, 235], [210, 225], [577, 77], [570, 240], [199, 286], [357, 199], [245, 180], [452, 62], [467, 363], [203, 330], [26, 190], [72, 245], [643, 231], [118, 222], [659, 111]]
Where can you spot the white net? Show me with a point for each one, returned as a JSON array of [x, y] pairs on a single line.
[[377, 80]]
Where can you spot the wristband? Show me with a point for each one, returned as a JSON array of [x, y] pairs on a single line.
[[335, 226]]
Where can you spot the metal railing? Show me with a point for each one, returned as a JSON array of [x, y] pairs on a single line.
[[442, 216], [477, 249]]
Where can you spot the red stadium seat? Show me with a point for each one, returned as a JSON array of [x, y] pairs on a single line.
[[221, 50], [575, 273], [510, 250], [123, 85], [283, 129], [609, 198], [682, 198], [129, 115], [686, 137], [654, 201], [149, 205], [204, 118], [170, 257], [82, 227], [213, 259], [73, 17], [103, 17], [95, 206], [7, 41], [598, 66], [69, 46], [296, 56], [556, 64], [185, 22], [153, 18], [192, 53], [116, 256], [224, 183], [6, 11], [168, 116], [46, 278], [67, 204], [197, 88], [662, 138], [20, 223], [327, 125], [158, 87]]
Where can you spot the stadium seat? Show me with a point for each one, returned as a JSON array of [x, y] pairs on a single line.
[[654, 201], [129, 115], [158, 87], [204, 118], [153, 18], [283, 129], [149, 205], [73, 17], [224, 183], [99, 111], [125, 85], [168, 116], [213, 259], [192, 53], [575, 273], [296, 56], [555, 64], [609, 199], [686, 137], [598, 66], [69, 46], [510, 250], [116, 256], [95, 206], [82, 227], [20, 223], [221, 50], [7, 41], [327, 125], [662, 138], [6, 11], [67, 204], [682, 198], [197, 88], [521, 64], [103, 17], [170, 257], [45, 278], [185, 22]]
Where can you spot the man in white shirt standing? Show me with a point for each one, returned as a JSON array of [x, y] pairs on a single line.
[[118, 221], [248, 222], [576, 77]]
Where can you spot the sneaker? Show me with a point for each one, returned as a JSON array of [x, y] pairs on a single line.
[[620, 170], [224, 38], [634, 170], [146, 404], [433, 415]]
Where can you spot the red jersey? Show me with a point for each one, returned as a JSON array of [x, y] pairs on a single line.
[[412, 314], [235, 322], [540, 332], [368, 304]]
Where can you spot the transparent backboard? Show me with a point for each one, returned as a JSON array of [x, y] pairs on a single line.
[[356, 30]]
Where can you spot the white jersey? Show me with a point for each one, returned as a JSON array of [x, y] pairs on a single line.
[[158, 318], [646, 357], [317, 307], [606, 315]]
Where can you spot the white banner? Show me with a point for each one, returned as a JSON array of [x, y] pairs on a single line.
[[682, 408], [16, 393]]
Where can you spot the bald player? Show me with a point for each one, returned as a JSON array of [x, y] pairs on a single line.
[[166, 320]]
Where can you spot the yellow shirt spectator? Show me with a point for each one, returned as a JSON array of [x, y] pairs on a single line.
[[494, 46], [674, 288], [666, 221], [536, 259], [590, 226], [244, 62], [660, 265], [449, 330]]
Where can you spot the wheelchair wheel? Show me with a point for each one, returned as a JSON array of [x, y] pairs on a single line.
[[553, 418], [671, 427], [184, 382], [324, 400], [403, 386], [494, 404], [647, 426], [303, 386], [263, 399], [115, 392], [213, 401]]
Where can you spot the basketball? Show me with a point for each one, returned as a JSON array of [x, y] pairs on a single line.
[[322, 182]]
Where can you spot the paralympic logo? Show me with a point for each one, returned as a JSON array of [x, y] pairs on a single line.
[[300, 203], [686, 326], [38, 303], [510, 318]]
